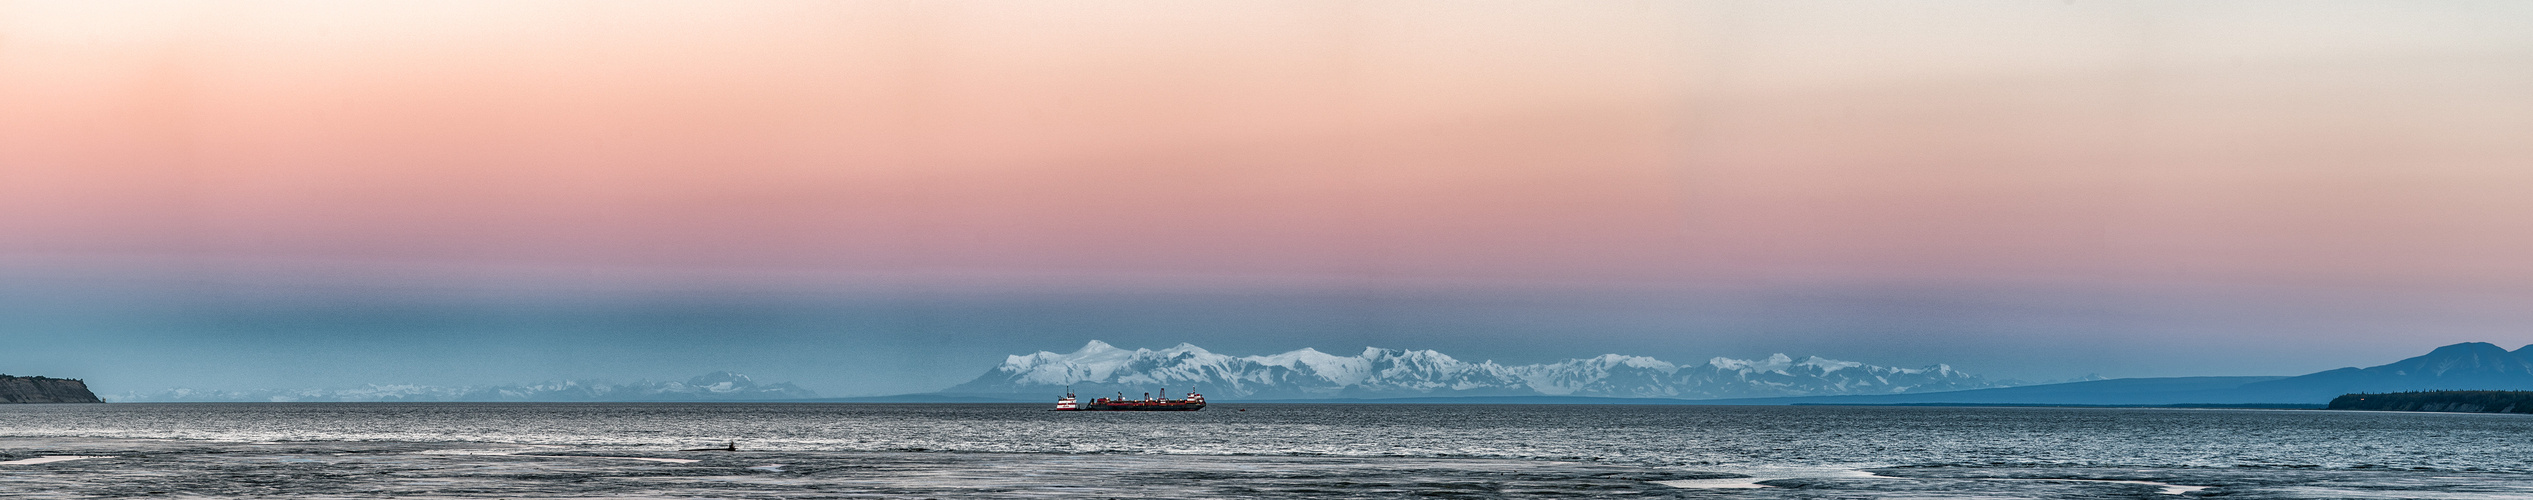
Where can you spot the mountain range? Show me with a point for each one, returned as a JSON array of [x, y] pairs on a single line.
[[1432, 377], [1099, 368], [716, 386], [2464, 366]]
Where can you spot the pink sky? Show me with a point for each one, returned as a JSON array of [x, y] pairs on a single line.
[[2360, 144]]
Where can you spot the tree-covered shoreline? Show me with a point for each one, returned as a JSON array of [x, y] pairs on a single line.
[[2446, 401]]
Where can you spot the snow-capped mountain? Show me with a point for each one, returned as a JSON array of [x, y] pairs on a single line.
[[1098, 368], [715, 386]]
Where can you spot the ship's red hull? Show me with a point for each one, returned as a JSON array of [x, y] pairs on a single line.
[[1192, 403], [1142, 406]]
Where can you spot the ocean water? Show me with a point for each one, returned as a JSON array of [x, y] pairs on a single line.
[[460, 450]]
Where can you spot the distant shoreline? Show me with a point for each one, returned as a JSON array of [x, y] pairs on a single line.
[[2438, 401], [1410, 401], [1559, 400]]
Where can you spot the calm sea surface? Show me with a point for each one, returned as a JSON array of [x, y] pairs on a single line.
[[2475, 455]]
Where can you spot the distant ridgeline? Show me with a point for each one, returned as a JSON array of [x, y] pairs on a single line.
[[2451, 401], [44, 390], [1098, 369]]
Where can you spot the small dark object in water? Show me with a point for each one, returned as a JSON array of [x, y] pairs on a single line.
[[733, 446]]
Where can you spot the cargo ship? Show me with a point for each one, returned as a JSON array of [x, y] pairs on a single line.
[[1193, 402]]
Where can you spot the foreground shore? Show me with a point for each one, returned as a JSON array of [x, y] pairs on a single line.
[[98, 468]]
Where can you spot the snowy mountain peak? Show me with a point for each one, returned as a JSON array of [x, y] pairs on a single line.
[[1183, 347], [1340, 370], [1826, 364], [1380, 372], [1775, 363], [1635, 362]]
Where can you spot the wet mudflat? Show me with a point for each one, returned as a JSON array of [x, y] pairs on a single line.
[[169, 468], [793, 450], [2079, 482], [160, 468]]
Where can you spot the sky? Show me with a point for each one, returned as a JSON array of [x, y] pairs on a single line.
[[887, 197]]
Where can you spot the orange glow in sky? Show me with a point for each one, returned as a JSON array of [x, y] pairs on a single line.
[[2381, 144]]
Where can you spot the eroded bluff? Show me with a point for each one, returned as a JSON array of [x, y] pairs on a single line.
[[44, 390]]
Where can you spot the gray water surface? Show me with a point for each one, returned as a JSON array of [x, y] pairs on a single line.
[[992, 450]]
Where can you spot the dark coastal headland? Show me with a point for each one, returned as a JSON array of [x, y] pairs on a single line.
[[15, 389], [2445, 401]]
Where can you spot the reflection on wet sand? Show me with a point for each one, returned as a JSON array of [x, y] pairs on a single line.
[[465, 470], [49, 459]]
